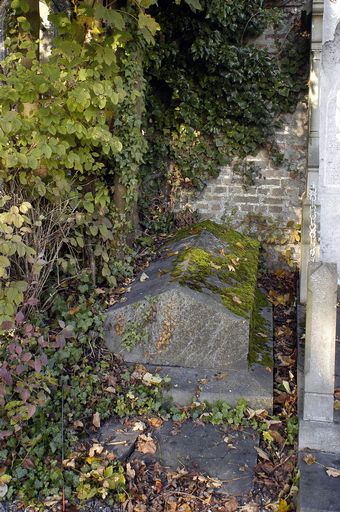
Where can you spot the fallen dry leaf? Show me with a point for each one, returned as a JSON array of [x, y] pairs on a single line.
[[96, 448], [237, 300], [146, 444], [231, 505], [131, 473], [309, 459], [216, 267], [251, 507], [96, 420], [78, 424], [333, 472], [74, 310], [3, 490], [143, 277], [155, 422], [139, 425], [261, 453], [158, 485], [185, 508]]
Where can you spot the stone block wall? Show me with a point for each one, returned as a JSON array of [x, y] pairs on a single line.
[[277, 191]]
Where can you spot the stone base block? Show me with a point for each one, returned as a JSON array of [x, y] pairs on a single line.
[[318, 407], [319, 435], [254, 385]]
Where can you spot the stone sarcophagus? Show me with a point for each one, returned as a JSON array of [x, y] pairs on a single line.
[[193, 307]]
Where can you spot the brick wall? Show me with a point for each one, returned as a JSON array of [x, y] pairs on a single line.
[[277, 192]]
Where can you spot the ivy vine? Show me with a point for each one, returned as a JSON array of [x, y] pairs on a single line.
[[212, 94]]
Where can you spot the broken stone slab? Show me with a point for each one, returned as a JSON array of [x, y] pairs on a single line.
[[195, 307], [318, 492], [220, 453], [118, 438]]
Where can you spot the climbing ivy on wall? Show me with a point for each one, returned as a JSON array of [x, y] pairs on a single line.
[[73, 140], [212, 95]]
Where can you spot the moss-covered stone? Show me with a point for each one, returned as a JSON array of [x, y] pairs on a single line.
[[232, 273], [204, 287]]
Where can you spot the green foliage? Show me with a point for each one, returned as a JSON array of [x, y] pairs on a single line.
[[212, 95], [71, 134], [14, 224], [292, 430], [52, 382]]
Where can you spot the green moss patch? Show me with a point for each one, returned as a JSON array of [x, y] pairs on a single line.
[[232, 274], [259, 349]]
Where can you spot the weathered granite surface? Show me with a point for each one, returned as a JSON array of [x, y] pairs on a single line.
[[194, 308]]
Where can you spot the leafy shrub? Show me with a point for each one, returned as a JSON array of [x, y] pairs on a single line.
[[212, 95]]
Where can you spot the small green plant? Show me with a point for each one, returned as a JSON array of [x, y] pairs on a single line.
[[292, 430]]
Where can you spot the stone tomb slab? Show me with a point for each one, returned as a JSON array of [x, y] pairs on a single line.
[[194, 309], [220, 453], [318, 491]]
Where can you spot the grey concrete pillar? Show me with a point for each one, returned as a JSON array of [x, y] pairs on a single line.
[[313, 140], [320, 342]]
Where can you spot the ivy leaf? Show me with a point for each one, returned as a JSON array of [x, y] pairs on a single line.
[[195, 5], [147, 21], [111, 16], [145, 4], [20, 4]]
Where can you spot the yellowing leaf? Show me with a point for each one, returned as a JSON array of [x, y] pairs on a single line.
[[267, 436], [150, 379], [147, 21], [283, 506], [90, 460], [309, 459]]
